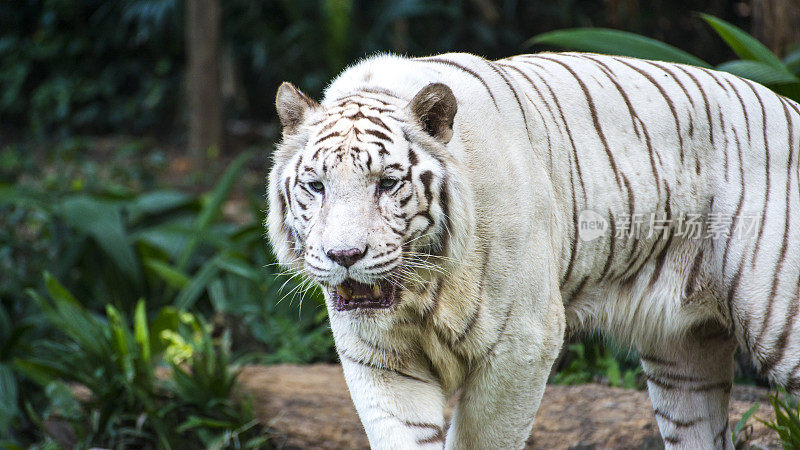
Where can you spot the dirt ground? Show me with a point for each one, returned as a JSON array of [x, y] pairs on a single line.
[[309, 407]]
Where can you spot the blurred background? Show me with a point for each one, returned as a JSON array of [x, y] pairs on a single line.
[[135, 136]]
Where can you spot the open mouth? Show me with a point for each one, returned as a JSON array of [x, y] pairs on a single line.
[[351, 295]]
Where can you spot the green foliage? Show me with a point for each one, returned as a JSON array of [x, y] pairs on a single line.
[[91, 65], [602, 40], [757, 63], [112, 247], [787, 420], [171, 248], [116, 66], [593, 361], [736, 433], [128, 405]]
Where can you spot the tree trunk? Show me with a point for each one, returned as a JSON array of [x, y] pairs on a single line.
[[203, 78], [776, 23]]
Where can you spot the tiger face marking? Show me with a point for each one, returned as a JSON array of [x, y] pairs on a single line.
[[363, 195]]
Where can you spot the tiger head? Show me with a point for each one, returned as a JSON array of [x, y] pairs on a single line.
[[363, 194]]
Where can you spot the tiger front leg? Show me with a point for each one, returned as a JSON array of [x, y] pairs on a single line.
[[501, 396], [399, 410]]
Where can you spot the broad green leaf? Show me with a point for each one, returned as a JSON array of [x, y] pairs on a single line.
[[156, 202], [119, 338], [216, 293], [195, 421], [38, 371], [615, 42], [239, 267], [212, 204], [743, 421], [757, 71], [197, 285], [170, 238], [141, 330], [71, 317], [172, 276], [102, 221], [57, 291], [743, 44]]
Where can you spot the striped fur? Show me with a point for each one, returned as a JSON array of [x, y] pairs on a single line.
[[481, 233]]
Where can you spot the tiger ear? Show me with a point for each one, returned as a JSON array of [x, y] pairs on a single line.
[[435, 107], [292, 106]]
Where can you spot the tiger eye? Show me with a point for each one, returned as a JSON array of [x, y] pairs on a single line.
[[316, 186], [387, 184]]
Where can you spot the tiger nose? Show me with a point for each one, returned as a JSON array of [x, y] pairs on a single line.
[[348, 257]]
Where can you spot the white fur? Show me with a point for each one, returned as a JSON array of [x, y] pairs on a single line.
[[514, 187]]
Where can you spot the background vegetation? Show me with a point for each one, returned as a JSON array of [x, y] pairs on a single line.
[[136, 279]]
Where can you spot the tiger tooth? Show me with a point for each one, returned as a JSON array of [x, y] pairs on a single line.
[[343, 292], [376, 291]]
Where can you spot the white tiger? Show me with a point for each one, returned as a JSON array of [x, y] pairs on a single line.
[[439, 202]]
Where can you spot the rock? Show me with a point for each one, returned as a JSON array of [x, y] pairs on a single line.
[[309, 407]]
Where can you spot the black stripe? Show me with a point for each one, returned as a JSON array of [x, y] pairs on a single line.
[[533, 85], [663, 384], [666, 98], [633, 115], [465, 69], [723, 433], [377, 367], [578, 290], [725, 143], [595, 119], [426, 177], [610, 257], [685, 92], [327, 136], [435, 298], [379, 135], [660, 259], [740, 204], [692, 280], [444, 203], [786, 223], [566, 126], [470, 325], [377, 121], [677, 422], [676, 79], [705, 100], [766, 171], [712, 75], [734, 286], [516, 97], [501, 331], [574, 242], [436, 437], [652, 359]]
